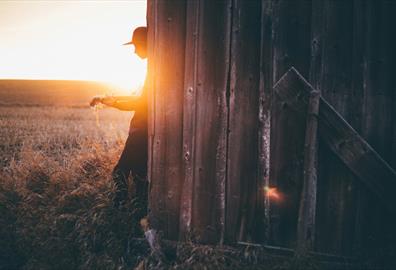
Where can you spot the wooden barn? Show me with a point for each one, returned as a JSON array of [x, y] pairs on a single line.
[[297, 95]]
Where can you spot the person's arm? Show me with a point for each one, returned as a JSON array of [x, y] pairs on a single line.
[[123, 103]]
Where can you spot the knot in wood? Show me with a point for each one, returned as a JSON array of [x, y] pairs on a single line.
[[187, 156]]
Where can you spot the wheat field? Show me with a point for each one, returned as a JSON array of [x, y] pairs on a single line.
[[53, 118], [56, 159]]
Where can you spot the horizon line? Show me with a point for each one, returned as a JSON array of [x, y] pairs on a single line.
[[52, 79]]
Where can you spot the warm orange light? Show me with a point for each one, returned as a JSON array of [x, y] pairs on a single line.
[[72, 40], [272, 193]]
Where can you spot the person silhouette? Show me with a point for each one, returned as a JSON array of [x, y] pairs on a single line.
[[133, 159]]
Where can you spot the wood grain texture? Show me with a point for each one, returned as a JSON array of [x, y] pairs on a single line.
[[167, 33], [287, 155], [243, 121], [332, 75], [377, 125], [262, 220], [189, 113], [307, 210], [342, 139], [291, 39], [211, 116], [218, 133]]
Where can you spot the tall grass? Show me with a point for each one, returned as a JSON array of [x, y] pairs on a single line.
[[56, 209]]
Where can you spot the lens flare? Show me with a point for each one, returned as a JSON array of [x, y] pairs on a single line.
[[272, 193]]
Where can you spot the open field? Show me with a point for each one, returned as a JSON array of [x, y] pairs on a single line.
[[53, 117], [56, 156], [58, 131], [51, 92]]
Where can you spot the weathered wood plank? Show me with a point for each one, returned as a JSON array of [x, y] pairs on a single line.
[[150, 86], [286, 171], [211, 116], [167, 20], [356, 101], [332, 75], [262, 221], [358, 155], [306, 227], [307, 211], [156, 205], [291, 36], [378, 86], [243, 121], [343, 140], [189, 112]]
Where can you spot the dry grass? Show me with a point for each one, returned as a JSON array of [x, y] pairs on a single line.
[[56, 208], [58, 131], [59, 215]]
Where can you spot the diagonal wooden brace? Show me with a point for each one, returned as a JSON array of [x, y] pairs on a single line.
[[342, 139]]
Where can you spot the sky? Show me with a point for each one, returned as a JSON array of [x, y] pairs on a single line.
[[73, 40]]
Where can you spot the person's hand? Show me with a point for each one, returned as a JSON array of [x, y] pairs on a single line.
[[95, 101], [108, 101]]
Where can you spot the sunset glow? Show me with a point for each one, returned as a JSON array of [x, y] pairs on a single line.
[[72, 40]]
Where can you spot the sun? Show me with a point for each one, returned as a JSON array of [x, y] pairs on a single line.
[[129, 76]]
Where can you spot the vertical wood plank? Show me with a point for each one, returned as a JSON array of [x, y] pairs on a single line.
[[243, 121], [211, 114], [263, 204], [307, 211], [291, 37], [150, 85], [359, 29], [292, 24], [336, 184], [167, 69], [373, 224], [151, 71], [189, 113]]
